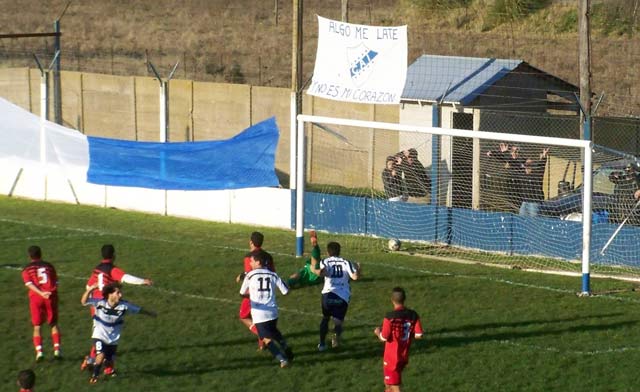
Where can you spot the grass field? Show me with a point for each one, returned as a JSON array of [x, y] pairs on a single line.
[[488, 329]]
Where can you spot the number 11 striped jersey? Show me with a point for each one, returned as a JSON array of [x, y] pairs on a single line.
[[261, 284]]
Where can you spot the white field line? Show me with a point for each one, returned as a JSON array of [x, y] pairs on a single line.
[[235, 301], [575, 352], [384, 265], [317, 315], [47, 237]]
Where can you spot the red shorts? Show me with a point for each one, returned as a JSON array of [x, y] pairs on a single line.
[[245, 308], [44, 309], [393, 373]]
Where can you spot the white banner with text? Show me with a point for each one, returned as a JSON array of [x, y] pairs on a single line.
[[359, 63]]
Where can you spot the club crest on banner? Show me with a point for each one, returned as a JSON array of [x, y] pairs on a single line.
[[361, 63]]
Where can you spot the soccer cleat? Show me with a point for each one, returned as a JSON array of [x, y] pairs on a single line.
[[57, 354], [335, 341], [39, 356], [284, 364], [322, 347], [93, 380], [109, 371]]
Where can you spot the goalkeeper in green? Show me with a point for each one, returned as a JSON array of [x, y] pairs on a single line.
[[305, 276]]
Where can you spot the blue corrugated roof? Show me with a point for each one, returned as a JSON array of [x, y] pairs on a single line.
[[464, 78]]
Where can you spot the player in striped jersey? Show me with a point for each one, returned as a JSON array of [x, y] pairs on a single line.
[[255, 247], [103, 274], [41, 279], [336, 292], [399, 328], [259, 285], [107, 322]]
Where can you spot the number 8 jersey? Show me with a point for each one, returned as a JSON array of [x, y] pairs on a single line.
[[261, 284], [337, 271]]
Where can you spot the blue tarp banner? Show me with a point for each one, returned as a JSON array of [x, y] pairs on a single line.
[[246, 160]]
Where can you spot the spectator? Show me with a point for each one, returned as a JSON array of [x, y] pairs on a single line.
[[625, 193], [524, 177], [417, 181], [392, 181]]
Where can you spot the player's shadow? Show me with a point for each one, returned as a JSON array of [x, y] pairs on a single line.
[[209, 344], [465, 335], [222, 343], [201, 367], [523, 323]]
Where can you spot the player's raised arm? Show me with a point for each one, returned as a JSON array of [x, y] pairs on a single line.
[[130, 279], [87, 292]]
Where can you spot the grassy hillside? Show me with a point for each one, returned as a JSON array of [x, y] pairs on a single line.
[[249, 41]]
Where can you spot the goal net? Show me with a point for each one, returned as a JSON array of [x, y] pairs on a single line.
[[497, 198]]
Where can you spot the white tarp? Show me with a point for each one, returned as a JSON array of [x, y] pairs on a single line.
[[24, 134], [359, 63]]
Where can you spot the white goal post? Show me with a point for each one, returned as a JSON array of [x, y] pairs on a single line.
[[337, 128]]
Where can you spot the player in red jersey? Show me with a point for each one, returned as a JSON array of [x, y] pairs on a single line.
[[398, 331], [103, 274], [255, 247], [41, 279], [26, 380]]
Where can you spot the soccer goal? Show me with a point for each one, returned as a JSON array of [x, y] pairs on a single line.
[[498, 198]]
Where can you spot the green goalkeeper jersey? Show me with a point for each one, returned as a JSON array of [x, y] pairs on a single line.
[[306, 275]]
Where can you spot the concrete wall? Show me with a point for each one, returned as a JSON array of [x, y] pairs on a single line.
[[128, 108]]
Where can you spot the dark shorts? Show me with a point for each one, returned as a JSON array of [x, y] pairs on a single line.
[[108, 350], [334, 306], [269, 330]]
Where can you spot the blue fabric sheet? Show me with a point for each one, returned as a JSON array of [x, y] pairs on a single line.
[[246, 160]]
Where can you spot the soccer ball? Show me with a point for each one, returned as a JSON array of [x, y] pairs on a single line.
[[393, 245]]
